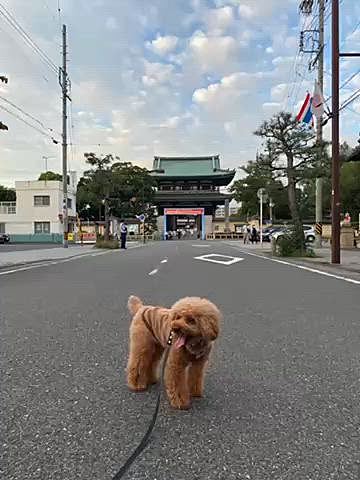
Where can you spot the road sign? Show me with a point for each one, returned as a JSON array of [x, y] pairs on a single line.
[[141, 217], [261, 194]]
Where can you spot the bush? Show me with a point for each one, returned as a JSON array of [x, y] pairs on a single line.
[[110, 244], [288, 246]]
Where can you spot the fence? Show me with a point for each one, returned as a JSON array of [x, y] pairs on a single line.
[[36, 238]]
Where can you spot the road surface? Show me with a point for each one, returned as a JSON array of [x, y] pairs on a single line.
[[282, 391]]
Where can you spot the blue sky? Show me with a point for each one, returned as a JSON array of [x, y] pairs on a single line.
[[186, 77]]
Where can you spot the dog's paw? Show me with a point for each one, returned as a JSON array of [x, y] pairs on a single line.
[[197, 394], [137, 388], [181, 406], [180, 402]]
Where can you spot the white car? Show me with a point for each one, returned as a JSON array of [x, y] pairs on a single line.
[[309, 233]]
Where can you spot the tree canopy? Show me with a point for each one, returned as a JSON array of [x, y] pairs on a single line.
[[7, 194], [112, 187], [49, 175]]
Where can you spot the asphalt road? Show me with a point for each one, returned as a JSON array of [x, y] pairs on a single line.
[[282, 391]]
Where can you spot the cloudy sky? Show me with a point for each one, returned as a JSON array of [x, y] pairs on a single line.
[[158, 77]]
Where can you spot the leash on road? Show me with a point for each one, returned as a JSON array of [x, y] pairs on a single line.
[[144, 441]]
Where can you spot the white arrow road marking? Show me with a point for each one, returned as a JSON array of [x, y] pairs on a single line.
[[224, 259]]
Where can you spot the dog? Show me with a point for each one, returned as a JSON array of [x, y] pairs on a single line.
[[191, 325]]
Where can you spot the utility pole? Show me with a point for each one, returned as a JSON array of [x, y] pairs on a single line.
[[335, 193], [319, 129], [64, 86]]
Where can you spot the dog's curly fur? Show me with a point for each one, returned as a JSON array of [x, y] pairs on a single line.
[[195, 323]]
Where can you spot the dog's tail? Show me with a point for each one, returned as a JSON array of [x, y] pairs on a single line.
[[134, 304]]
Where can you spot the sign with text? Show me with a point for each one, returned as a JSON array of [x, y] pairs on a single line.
[[184, 211]]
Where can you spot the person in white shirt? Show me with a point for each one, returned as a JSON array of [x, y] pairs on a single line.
[[123, 234]]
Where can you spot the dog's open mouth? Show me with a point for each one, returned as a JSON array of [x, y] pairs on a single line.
[[180, 341]]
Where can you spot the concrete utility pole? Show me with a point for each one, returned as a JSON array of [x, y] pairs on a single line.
[[64, 85], [335, 193], [319, 128]]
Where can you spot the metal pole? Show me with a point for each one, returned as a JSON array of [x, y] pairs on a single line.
[[335, 194], [261, 217], [319, 128], [64, 140]]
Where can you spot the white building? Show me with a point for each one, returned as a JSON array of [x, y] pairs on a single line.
[[38, 209], [233, 209]]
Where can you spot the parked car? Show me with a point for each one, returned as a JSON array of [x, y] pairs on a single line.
[[4, 238], [309, 233], [268, 232]]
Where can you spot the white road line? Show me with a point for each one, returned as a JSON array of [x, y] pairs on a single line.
[[228, 260], [201, 246], [47, 264], [300, 267], [153, 272], [164, 261]]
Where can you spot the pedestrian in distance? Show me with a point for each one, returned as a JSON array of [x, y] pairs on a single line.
[[246, 233], [254, 235], [123, 234]]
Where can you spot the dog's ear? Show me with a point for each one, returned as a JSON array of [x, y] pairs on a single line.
[[211, 327]]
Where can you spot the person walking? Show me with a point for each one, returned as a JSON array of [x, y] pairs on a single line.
[[123, 234], [246, 233], [254, 235]]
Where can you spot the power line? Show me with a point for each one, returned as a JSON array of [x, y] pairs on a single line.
[[350, 100], [28, 124], [25, 113], [11, 20]]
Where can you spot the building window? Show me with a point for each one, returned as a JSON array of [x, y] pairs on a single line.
[[41, 227], [69, 203], [217, 228], [2, 228], [41, 200]]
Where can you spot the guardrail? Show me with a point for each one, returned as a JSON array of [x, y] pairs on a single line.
[[224, 236]]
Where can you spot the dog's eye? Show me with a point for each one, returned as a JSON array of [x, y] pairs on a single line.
[[190, 320]]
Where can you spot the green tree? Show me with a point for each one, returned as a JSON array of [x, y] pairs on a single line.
[[7, 194], [290, 154], [50, 176], [245, 191], [118, 188]]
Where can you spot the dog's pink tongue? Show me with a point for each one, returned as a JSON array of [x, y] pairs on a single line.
[[180, 342]]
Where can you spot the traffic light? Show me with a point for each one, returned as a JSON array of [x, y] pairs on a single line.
[[3, 126]]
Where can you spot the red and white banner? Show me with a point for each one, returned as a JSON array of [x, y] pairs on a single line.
[[183, 211]]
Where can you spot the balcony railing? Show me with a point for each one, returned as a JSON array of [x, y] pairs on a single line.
[[8, 208], [186, 192]]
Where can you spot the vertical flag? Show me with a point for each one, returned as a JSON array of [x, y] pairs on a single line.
[[305, 115], [318, 102]]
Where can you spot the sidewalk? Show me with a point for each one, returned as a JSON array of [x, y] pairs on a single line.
[[350, 259], [22, 257]]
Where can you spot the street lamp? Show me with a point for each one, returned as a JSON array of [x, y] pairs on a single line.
[[271, 206], [46, 158], [87, 208]]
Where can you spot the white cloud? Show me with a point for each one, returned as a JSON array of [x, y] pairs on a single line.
[[279, 91], [111, 23], [211, 53], [163, 45], [157, 73], [247, 11], [220, 19]]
